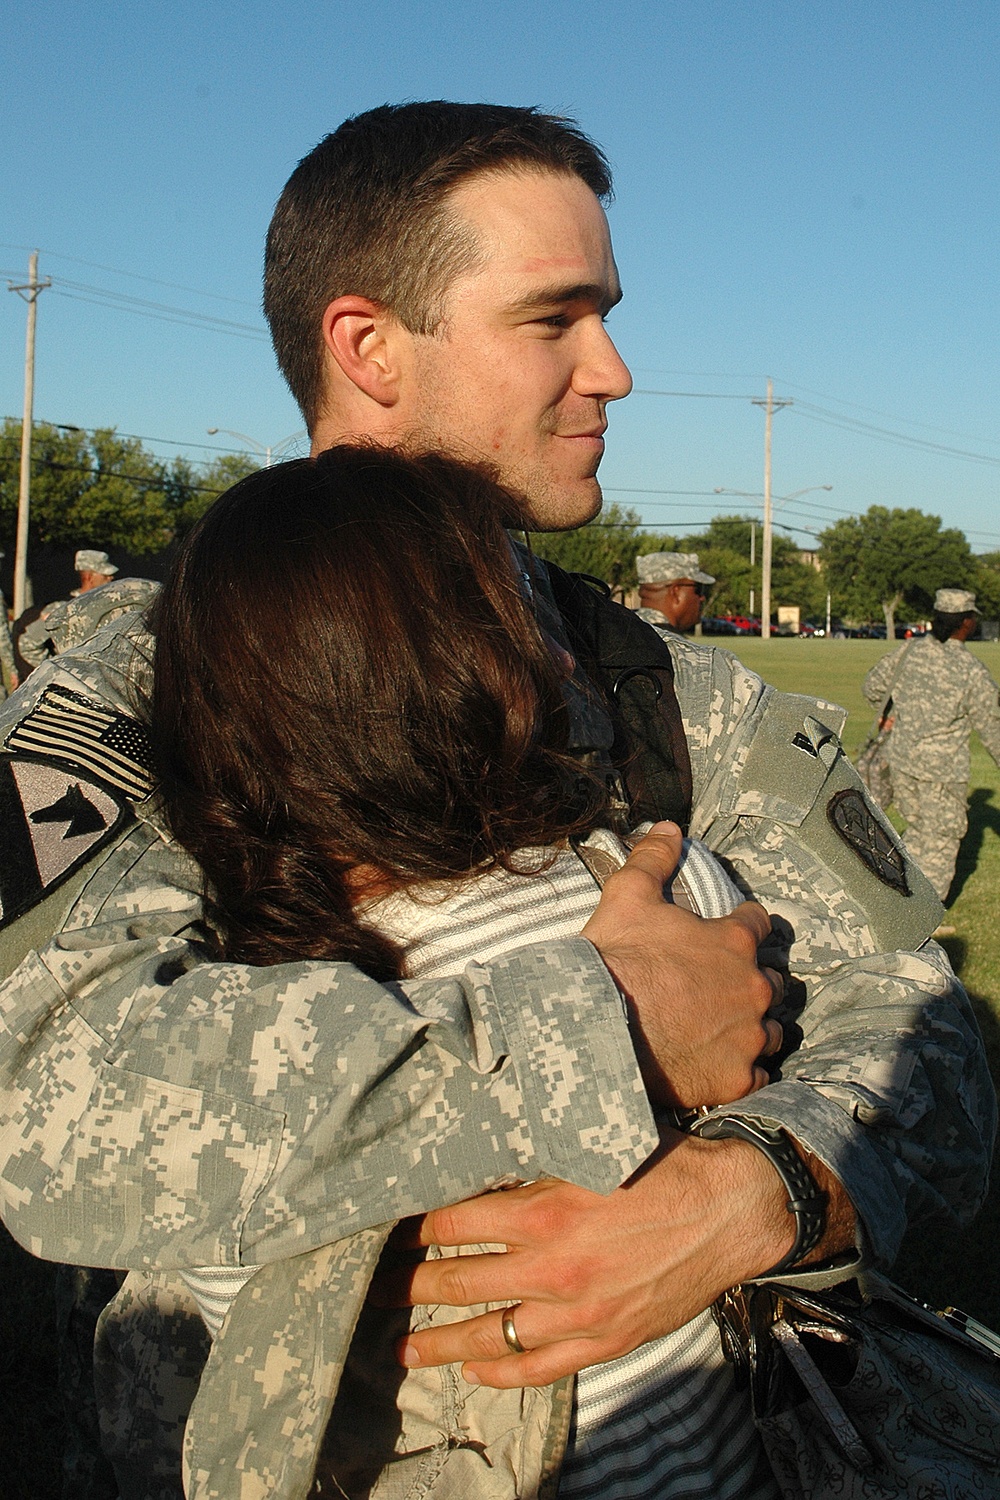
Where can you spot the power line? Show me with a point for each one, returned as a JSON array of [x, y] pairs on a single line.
[[836, 419], [161, 312], [874, 412], [884, 434], [136, 276], [137, 437]]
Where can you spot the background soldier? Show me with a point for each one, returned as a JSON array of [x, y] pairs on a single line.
[[8, 666], [69, 622], [36, 641], [672, 588], [940, 693]]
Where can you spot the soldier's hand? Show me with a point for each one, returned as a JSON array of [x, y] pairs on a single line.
[[697, 999], [594, 1276]]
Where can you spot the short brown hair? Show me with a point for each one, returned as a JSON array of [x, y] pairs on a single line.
[[364, 213], [348, 673]]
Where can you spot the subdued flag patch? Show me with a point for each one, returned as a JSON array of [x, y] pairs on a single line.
[[69, 727], [52, 819]]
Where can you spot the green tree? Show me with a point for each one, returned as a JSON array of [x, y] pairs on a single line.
[[99, 490], [886, 558], [191, 491], [606, 548], [106, 491], [60, 466], [724, 551], [986, 584]]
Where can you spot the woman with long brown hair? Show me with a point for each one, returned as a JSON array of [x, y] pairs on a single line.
[[351, 697], [363, 739]]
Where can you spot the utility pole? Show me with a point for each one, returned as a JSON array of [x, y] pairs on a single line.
[[770, 406], [30, 294]]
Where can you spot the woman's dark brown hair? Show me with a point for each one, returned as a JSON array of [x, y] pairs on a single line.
[[348, 674]]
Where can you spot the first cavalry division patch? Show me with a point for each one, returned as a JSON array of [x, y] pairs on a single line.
[[65, 785], [858, 826], [52, 818]]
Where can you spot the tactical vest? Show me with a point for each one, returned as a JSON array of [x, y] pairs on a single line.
[[630, 663]]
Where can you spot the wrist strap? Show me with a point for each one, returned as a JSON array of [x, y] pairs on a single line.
[[806, 1200]]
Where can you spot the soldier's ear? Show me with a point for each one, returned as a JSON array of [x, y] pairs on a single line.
[[362, 342]]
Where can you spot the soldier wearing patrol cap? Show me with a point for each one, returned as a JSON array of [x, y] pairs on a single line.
[[939, 693], [37, 641], [672, 588]]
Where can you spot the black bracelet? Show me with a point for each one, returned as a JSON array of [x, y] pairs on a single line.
[[806, 1200]]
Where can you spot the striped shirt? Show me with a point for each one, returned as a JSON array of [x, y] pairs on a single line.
[[665, 1422]]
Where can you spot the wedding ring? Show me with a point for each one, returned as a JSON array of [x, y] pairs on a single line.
[[510, 1337]]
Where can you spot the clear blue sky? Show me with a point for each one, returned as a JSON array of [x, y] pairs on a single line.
[[808, 192]]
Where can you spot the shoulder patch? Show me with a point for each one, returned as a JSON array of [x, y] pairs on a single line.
[[861, 830], [76, 730], [53, 818]]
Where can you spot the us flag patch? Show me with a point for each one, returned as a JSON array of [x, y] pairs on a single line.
[[52, 819], [69, 727]]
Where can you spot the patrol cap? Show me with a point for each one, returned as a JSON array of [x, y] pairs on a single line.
[[668, 567], [955, 602], [89, 561]]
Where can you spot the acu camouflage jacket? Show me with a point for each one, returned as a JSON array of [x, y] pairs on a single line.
[[160, 1109], [940, 693]]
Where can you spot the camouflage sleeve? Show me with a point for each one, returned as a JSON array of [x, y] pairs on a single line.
[[7, 662], [160, 1108], [984, 708], [876, 685], [889, 1084], [34, 642]]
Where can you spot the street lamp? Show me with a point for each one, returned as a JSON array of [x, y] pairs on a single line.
[[268, 452]]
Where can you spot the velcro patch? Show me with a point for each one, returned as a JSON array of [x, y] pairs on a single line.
[[859, 827], [69, 727], [52, 819]]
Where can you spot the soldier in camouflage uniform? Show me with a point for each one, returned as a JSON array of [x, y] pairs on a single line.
[[163, 1109], [70, 622], [8, 663], [82, 1291], [672, 589], [939, 693]]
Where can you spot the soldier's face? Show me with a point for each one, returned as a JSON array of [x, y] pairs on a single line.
[[686, 604], [522, 368]]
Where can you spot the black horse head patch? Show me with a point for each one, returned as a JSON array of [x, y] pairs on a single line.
[[858, 826], [52, 819]]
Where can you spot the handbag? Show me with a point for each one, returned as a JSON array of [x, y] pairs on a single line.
[[873, 765], [861, 1392]]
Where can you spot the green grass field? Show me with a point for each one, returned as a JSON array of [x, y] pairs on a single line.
[[940, 1265]]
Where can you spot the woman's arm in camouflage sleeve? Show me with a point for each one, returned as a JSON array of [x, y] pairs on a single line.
[[889, 1086], [157, 1107], [160, 1108]]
